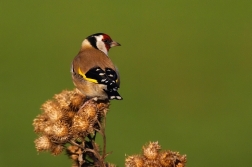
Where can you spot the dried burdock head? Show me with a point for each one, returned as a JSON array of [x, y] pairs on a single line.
[[70, 122], [57, 149], [48, 128], [134, 161], [151, 163], [170, 159], [71, 119], [69, 115], [150, 151], [40, 123], [52, 110], [89, 110], [166, 158], [76, 101], [63, 99], [103, 107], [152, 157], [81, 126], [60, 132], [43, 143], [70, 100]]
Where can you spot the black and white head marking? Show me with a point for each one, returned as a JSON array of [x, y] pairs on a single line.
[[100, 44], [100, 41]]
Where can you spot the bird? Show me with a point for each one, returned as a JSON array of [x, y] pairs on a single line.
[[93, 72]]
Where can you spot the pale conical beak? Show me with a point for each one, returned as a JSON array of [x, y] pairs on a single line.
[[114, 43]]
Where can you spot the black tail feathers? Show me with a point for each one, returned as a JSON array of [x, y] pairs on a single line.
[[114, 95]]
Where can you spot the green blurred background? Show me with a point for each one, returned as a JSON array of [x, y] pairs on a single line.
[[185, 68]]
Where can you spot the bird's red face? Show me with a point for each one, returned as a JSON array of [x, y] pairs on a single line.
[[109, 43], [102, 41], [107, 40]]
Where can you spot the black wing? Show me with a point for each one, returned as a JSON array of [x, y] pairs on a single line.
[[107, 77]]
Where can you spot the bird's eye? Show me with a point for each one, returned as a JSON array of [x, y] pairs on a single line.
[[105, 41]]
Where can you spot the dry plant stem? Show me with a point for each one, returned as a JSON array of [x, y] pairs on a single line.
[[80, 159], [97, 155], [102, 132], [95, 150], [76, 144]]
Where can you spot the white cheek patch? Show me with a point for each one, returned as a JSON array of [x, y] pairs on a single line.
[[100, 44]]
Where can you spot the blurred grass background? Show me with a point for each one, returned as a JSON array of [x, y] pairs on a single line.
[[185, 68]]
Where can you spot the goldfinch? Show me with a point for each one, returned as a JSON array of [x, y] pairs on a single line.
[[93, 72]]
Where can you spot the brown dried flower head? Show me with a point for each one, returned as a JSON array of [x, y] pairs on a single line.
[[80, 125], [166, 159], [76, 101], [43, 143], [63, 99], [60, 131], [40, 123], [57, 149], [68, 118], [134, 161], [52, 110], [153, 157], [89, 110], [103, 107], [151, 150]]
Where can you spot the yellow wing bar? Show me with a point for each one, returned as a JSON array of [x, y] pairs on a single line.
[[84, 76]]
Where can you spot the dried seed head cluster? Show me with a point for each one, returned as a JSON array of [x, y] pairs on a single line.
[[70, 122], [154, 157], [69, 118]]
